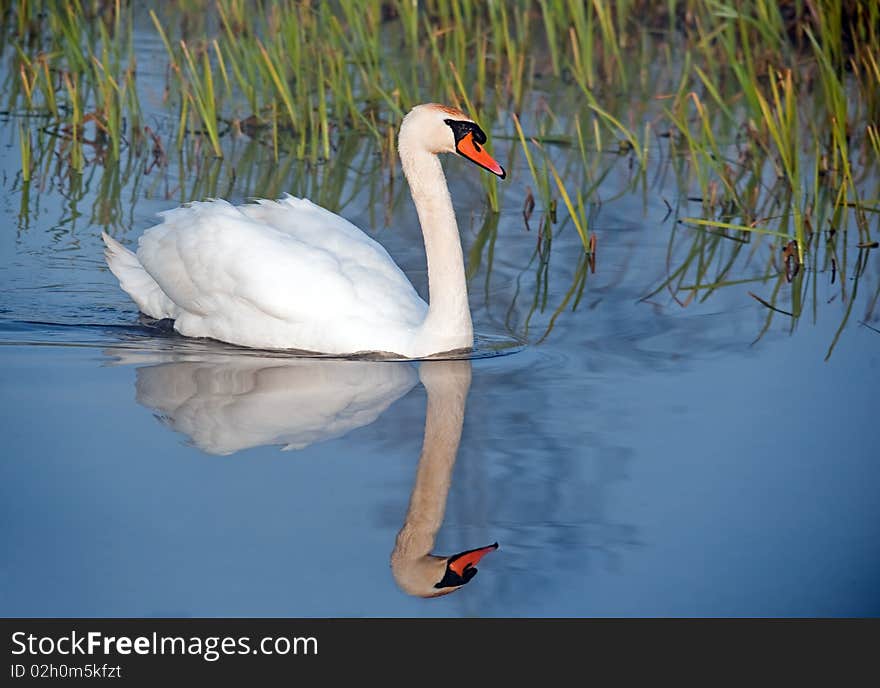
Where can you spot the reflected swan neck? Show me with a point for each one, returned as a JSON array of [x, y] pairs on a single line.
[[447, 384]]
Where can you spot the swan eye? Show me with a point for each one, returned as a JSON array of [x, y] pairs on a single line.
[[461, 129]]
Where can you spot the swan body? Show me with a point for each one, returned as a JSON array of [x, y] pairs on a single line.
[[288, 274], [271, 275]]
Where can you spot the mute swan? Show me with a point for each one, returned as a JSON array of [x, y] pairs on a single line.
[[289, 274]]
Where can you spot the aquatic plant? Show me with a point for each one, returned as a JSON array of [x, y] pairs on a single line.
[[765, 113]]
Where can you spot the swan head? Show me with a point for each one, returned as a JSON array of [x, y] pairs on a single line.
[[433, 576], [441, 129]]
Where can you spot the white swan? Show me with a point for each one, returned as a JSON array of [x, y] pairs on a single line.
[[289, 274]]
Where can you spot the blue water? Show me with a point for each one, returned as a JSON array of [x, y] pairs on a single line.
[[641, 458], [629, 465]]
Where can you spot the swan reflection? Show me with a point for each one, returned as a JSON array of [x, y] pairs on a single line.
[[226, 403]]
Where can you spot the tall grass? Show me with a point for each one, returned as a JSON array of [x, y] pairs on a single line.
[[766, 112]]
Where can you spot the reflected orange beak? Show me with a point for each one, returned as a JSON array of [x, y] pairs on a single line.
[[474, 152], [471, 558]]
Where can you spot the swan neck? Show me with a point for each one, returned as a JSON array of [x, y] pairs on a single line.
[[449, 317]]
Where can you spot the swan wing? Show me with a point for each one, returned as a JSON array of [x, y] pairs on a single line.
[[362, 259], [288, 274]]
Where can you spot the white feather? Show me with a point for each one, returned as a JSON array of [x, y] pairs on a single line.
[[274, 274]]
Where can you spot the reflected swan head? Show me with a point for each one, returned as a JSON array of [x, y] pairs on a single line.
[[434, 576]]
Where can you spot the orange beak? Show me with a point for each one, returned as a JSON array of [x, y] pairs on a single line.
[[471, 558], [474, 152]]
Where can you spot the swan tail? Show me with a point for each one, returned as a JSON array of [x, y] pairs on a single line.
[[136, 281]]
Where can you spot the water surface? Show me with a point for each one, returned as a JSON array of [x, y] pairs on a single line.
[[633, 455]]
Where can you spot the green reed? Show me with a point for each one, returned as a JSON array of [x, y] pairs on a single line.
[[24, 141], [305, 72], [765, 112], [77, 71]]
